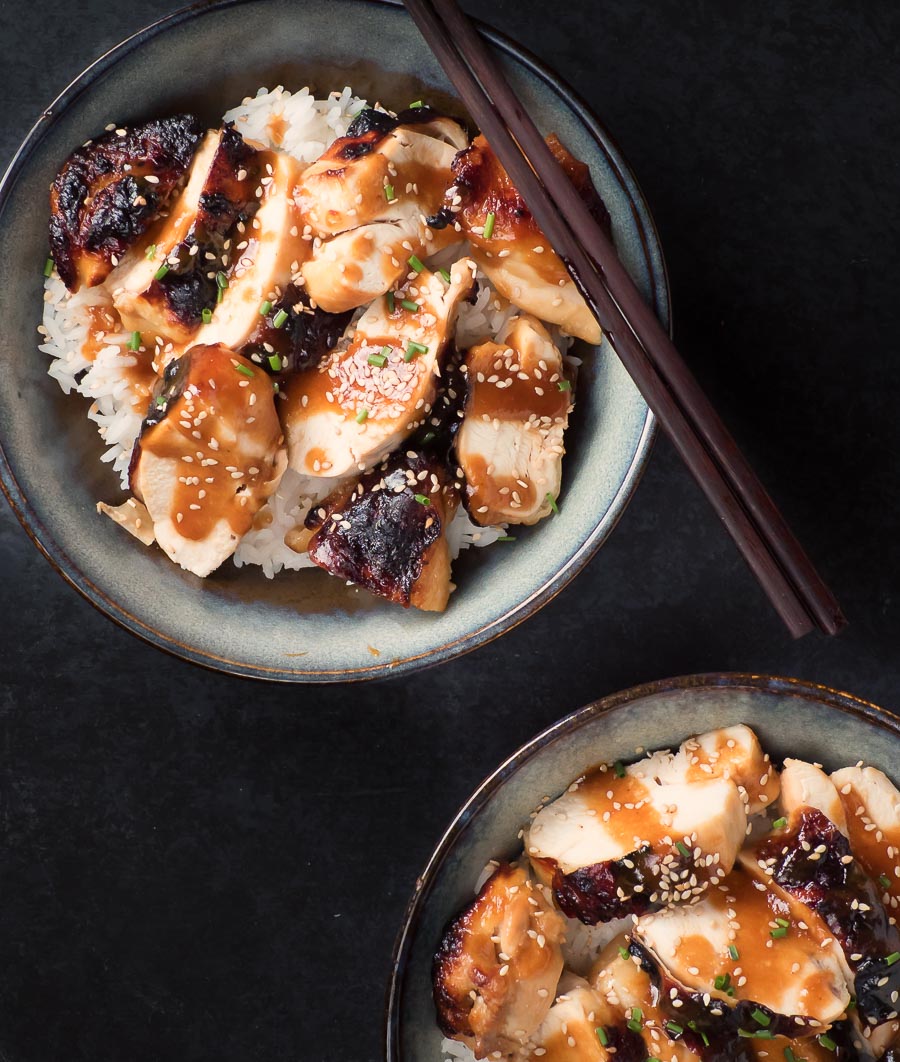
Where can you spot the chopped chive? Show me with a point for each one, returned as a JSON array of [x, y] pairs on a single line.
[[761, 1018], [446, 275], [619, 769], [683, 848], [789, 1055], [884, 881], [48, 267], [777, 934], [851, 1004], [623, 952], [602, 1035], [733, 952], [151, 251], [779, 824], [159, 401], [161, 272], [220, 295], [390, 301], [134, 341], [551, 501], [674, 1027], [422, 499], [265, 307], [636, 1023], [244, 370], [221, 279], [279, 319], [693, 1026], [389, 193], [413, 349], [275, 362], [892, 958], [826, 1041], [564, 385], [408, 304], [362, 416], [415, 264], [507, 538], [378, 359], [206, 315], [489, 225], [722, 982], [417, 104], [782, 922]]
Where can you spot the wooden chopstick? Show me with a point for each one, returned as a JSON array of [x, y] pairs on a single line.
[[773, 553]]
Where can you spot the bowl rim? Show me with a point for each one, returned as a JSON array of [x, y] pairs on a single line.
[[848, 703], [68, 569]]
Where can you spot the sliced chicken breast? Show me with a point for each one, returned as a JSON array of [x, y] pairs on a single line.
[[372, 392], [110, 190], [580, 1027], [872, 806], [509, 246], [614, 844], [387, 531], [805, 785], [164, 288], [497, 966], [510, 445], [209, 454], [723, 946]]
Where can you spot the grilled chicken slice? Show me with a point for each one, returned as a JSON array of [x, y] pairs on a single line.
[[616, 844], [733, 752], [510, 444], [872, 807], [209, 454], [370, 394], [265, 259], [582, 1027], [163, 289], [510, 248], [497, 966], [386, 532], [723, 947], [805, 785], [110, 190], [808, 860]]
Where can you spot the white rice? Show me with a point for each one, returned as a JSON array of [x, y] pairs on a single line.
[[303, 126]]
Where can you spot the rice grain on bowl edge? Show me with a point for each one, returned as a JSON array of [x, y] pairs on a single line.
[[303, 126]]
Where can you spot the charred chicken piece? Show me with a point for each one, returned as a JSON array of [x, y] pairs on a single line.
[[386, 532], [165, 288], [872, 807], [510, 444], [497, 966], [209, 454], [582, 1027], [510, 247], [371, 393], [111, 189], [805, 785]]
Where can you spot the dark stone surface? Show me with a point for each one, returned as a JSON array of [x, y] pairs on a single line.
[[196, 867]]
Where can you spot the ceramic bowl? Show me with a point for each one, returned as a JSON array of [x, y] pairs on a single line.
[[307, 625], [791, 718]]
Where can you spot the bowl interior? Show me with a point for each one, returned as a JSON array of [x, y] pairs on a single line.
[[791, 719], [301, 625]]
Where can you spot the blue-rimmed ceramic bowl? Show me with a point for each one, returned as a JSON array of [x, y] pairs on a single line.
[[791, 718], [302, 626]]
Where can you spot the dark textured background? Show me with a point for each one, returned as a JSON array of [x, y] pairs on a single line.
[[197, 867]]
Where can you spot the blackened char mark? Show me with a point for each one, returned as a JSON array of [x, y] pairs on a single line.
[[625, 1045], [377, 537], [604, 891], [169, 389], [814, 863], [101, 201], [438, 433], [370, 127], [304, 335]]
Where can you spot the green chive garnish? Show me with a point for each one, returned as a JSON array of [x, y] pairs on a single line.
[[782, 922], [221, 279], [884, 881], [683, 848], [134, 342], [408, 304], [733, 952], [507, 538], [623, 952], [722, 982], [779, 824], [160, 401], [636, 1023], [415, 105], [564, 385], [362, 416], [220, 295], [892, 958], [275, 362], [206, 314], [489, 225], [826, 1041], [777, 934], [619, 769], [265, 308], [413, 349], [551, 501], [675, 1028], [761, 1018], [161, 272], [422, 499], [48, 267], [379, 359], [415, 264], [279, 319], [602, 1036], [389, 193], [693, 1026], [446, 275], [244, 370], [789, 1055], [390, 301], [151, 251]]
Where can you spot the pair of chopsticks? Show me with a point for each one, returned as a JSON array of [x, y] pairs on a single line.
[[767, 544]]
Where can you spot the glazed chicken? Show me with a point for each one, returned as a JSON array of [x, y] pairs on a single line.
[[510, 444], [209, 454], [872, 809], [110, 190], [373, 391], [386, 532], [497, 966], [165, 287], [507, 243], [580, 1027]]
